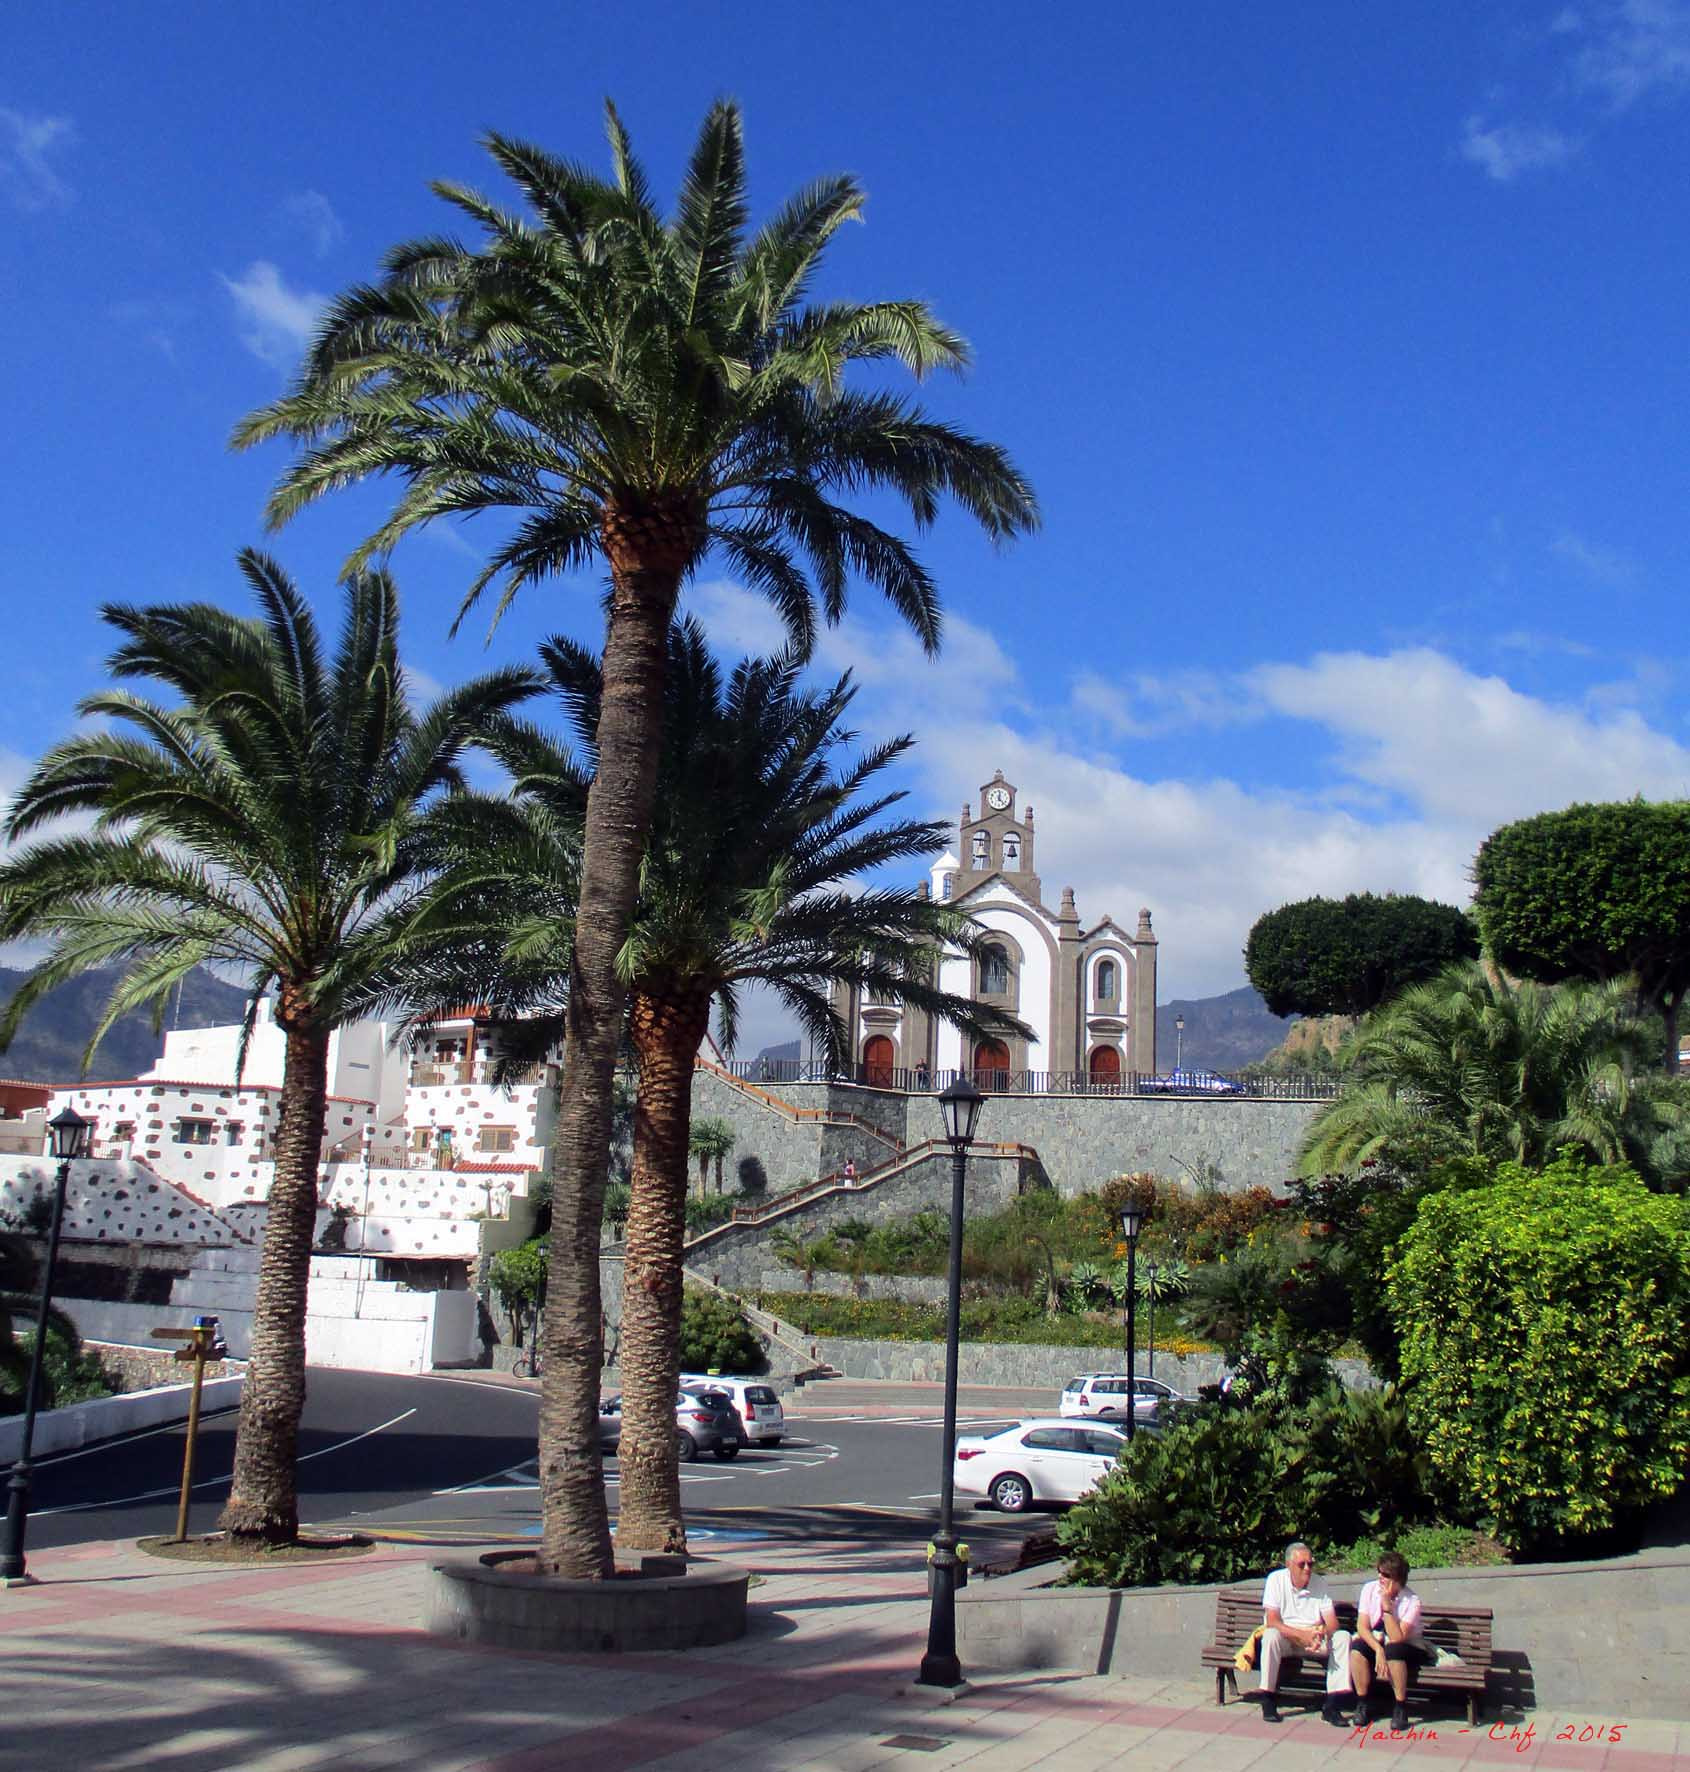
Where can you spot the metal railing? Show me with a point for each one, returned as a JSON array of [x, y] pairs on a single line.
[[919, 1080]]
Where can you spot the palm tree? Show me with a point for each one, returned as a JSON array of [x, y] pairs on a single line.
[[710, 1141], [644, 391], [1470, 1064], [754, 838], [265, 823]]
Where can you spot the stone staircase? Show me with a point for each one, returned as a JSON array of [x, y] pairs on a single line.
[[796, 1115]]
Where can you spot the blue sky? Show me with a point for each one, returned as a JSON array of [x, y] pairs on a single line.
[[1346, 348]]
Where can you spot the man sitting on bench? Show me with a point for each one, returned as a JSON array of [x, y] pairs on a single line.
[[1299, 1619]]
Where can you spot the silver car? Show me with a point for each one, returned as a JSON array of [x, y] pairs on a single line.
[[705, 1421]]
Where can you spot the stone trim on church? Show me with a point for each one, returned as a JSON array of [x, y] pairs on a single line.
[[1088, 994]]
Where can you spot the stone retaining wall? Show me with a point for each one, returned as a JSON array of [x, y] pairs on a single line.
[[1083, 1139], [1029, 1365], [1597, 1639]]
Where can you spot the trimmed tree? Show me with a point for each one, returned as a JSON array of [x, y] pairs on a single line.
[[1541, 1315], [265, 823], [710, 1141], [1595, 891], [645, 392], [1330, 956]]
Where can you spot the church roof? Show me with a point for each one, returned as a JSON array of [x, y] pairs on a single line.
[[997, 877]]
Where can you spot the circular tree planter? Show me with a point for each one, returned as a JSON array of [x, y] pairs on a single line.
[[662, 1604]]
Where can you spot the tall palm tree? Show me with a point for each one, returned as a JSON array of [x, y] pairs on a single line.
[[264, 822], [644, 392], [1470, 1064], [755, 837]]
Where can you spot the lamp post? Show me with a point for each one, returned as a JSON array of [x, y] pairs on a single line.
[[71, 1137], [1132, 1219], [960, 1104], [1150, 1294], [1179, 1042]]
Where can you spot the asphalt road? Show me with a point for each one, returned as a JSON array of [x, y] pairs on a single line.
[[448, 1459]]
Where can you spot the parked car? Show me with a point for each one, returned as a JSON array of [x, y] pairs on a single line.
[[705, 1421], [1189, 1083], [1102, 1396], [759, 1407], [1043, 1460]]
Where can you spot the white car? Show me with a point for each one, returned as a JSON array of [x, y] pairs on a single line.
[[1102, 1396], [758, 1405], [1044, 1460]]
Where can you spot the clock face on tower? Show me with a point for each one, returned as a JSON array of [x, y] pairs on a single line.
[[997, 798]]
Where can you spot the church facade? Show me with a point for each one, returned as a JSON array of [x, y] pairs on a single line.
[[1087, 993]]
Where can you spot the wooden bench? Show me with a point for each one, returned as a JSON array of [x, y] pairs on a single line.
[[1464, 1630]]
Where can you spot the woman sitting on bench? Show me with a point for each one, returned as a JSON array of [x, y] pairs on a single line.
[[1387, 1639]]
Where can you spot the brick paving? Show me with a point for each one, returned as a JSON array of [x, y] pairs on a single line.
[[115, 1662]]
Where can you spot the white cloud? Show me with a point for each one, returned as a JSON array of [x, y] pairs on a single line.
[[27, 145], [1607, 566], [1423, 758], [276, 322], [313, 215], [1635, 48], [1506, 150], [1146, 706], [1466, 751]]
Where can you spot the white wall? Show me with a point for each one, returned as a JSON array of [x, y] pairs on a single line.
[[1034, 1007]]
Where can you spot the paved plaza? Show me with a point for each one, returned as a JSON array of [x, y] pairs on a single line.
[[116, 1661]]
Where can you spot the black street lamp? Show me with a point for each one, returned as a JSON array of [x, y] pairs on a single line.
[[71, 1137], [960, 1104], [1150, 1295], [1132, 1220]]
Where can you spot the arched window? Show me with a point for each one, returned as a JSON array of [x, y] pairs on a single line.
[[982, 849], [945, 887], [1012, 851], [994, 971], [1105, 979]]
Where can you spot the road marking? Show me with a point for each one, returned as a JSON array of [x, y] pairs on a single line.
[[82, 1507], [170, 1427]]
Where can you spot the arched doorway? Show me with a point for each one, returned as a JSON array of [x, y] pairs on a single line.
[[879, 1059], [1105, 1067], [991, 1065]]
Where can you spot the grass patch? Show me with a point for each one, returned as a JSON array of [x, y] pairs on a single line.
[[215, 1548]]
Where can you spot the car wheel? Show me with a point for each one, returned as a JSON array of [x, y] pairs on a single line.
[[728, 1449], [686, 1448], [1011, 1493]]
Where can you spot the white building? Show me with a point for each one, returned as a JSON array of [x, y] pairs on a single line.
[[1087, 993], [439, 1109]]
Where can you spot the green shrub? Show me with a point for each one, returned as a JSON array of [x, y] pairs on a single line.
[[705, 1212], [715, 1337], [1543, 1319], [1436, 1546], [1205, 1501], [518, 1279], [1218, 1495], [69, 1373], [991, 1319]]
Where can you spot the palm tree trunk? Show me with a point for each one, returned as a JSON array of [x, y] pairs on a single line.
[[263, 1504], [665, 1033], [575, 1522]]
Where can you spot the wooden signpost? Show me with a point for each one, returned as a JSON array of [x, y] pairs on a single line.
[[202, 1342]]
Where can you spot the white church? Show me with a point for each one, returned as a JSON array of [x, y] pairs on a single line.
[[1088, 993]]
